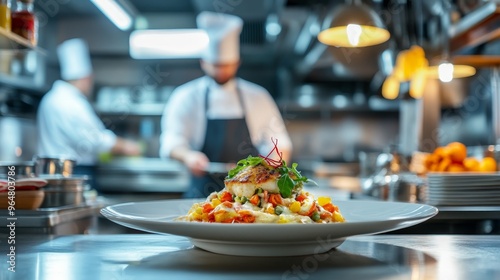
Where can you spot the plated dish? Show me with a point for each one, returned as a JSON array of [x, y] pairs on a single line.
[[362, 217], [260, 189], [263, 210]]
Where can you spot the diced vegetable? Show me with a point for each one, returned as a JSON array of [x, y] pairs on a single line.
[[278, 210], [275, 199], [301, 197], [338, 217], [315, 216], [322, 200], [329, 207], [207, 208], [215, 202], [226, 196], [295, 207], [241, 199], [255, 200]]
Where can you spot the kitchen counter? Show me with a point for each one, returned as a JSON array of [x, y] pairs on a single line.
[[151, 256]]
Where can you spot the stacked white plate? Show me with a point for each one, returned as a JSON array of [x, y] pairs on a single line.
[[461, 189]]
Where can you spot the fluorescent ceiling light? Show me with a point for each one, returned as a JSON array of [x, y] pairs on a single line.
[[115, 13], [167, 43]]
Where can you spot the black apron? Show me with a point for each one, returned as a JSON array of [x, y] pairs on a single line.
[[226, 140]]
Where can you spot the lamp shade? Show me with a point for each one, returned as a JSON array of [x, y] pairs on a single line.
[[457, 72], [354, 25]]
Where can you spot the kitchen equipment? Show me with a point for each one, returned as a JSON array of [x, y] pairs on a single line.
[[392, 181], [64, 220], [19, 134], [219, 167], [28, 200], [144, 175], [63, 191], [54, 166], [22, 169]]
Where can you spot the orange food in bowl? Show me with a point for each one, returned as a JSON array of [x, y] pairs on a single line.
[[471, 164], [456, 167], [456, 151], [453, 158], [440, 153], [488, 164], [443, 165]]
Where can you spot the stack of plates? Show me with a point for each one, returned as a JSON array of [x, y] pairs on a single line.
[[460, 189]]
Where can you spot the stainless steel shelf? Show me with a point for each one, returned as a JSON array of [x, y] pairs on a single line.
[[9, 41]]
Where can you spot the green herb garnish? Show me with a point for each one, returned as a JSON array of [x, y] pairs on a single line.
[[249, 161]]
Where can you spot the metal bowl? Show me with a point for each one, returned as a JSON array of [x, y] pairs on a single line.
[[22, 169], [54, 166], [64, 191]]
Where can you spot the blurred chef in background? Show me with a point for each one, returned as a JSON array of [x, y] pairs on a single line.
[[67, 124], [219, 117]]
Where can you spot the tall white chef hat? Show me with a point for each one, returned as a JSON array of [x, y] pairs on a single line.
[[74, 59], [223, 32]]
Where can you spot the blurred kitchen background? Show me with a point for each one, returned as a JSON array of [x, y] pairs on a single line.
[[331, 100]]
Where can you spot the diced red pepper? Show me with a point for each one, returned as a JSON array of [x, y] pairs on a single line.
[[226, 196], [255, 199], [329, 207], [325, 215], [245, 217], [275, 199], [301, 197], [207, 208]]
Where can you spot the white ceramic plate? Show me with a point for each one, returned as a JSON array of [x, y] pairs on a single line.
[[363, 217]]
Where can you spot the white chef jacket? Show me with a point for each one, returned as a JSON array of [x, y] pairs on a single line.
[[68, 126], [184, 120]]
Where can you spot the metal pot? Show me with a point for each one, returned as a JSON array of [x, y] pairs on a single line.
[[24, 169], [64, 191], [54, 166]]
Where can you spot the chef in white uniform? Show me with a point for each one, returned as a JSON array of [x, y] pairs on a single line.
[[219, 117], [67, 124]]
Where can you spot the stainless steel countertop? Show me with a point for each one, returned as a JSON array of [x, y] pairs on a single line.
[[150, 256], [50, 217]]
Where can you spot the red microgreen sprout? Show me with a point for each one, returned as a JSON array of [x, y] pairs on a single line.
[[273, 162]]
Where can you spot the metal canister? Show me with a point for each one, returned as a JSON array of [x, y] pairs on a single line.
[[21, 169], [54, 166]]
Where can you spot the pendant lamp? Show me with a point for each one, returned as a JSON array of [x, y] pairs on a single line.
[[446, 71], [354, 25]]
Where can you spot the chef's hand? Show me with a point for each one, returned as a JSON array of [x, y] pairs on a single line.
[[126, 147], [197, 162], [132, 148]]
